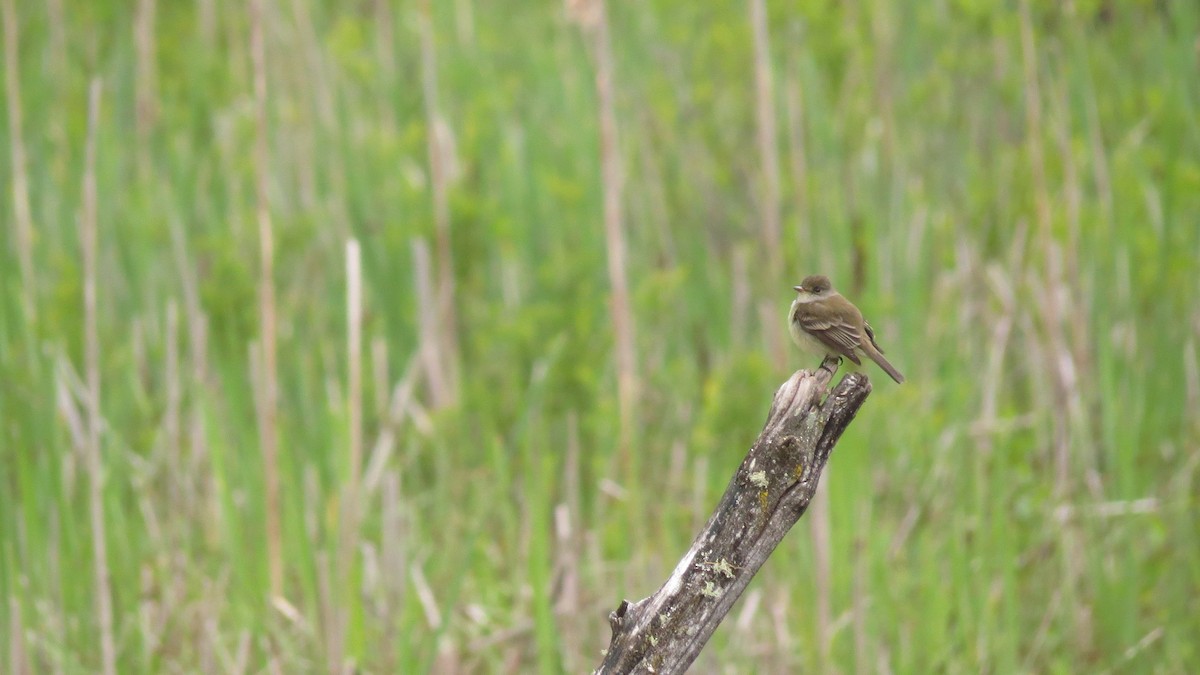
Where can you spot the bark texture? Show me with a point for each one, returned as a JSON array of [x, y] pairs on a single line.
[[770, 491]]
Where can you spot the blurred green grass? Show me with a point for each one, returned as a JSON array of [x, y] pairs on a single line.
[[1025, 502]]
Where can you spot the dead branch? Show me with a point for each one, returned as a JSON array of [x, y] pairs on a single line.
[[770, 491]]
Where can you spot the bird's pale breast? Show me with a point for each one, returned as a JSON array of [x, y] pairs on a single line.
[[801, 337]]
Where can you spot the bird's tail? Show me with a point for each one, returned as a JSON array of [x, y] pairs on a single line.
[[878, 358]]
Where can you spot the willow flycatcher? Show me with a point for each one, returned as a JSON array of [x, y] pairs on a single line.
[[825, 323]]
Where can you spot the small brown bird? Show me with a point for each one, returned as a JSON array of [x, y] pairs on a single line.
[[825, 323]]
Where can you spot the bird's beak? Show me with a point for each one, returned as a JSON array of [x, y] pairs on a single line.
[[798, 289]]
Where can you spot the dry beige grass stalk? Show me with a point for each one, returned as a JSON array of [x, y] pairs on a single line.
[[145, 81], [22, 214], [351, 496], [269, 410], [593, 19], [427, 325], [88, 239], [768, 152], [441, 157]]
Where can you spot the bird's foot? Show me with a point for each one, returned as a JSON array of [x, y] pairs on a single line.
[[831, 364]]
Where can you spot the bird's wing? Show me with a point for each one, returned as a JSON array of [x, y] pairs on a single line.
[[840, 337], [871, 336]]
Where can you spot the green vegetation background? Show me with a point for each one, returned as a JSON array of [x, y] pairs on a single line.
[[1018, 214]]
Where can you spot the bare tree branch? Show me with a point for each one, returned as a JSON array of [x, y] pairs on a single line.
[[770, 491]]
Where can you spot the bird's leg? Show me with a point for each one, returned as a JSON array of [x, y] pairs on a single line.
[[832, 363]]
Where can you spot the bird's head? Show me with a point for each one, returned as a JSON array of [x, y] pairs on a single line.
[[814, 284]]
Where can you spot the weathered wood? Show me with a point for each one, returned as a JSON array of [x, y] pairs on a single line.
[[770, 491]]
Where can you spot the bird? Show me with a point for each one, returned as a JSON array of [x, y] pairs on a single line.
[[824, 322]]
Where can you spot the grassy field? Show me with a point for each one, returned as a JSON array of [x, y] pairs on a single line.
[[314, 349]]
